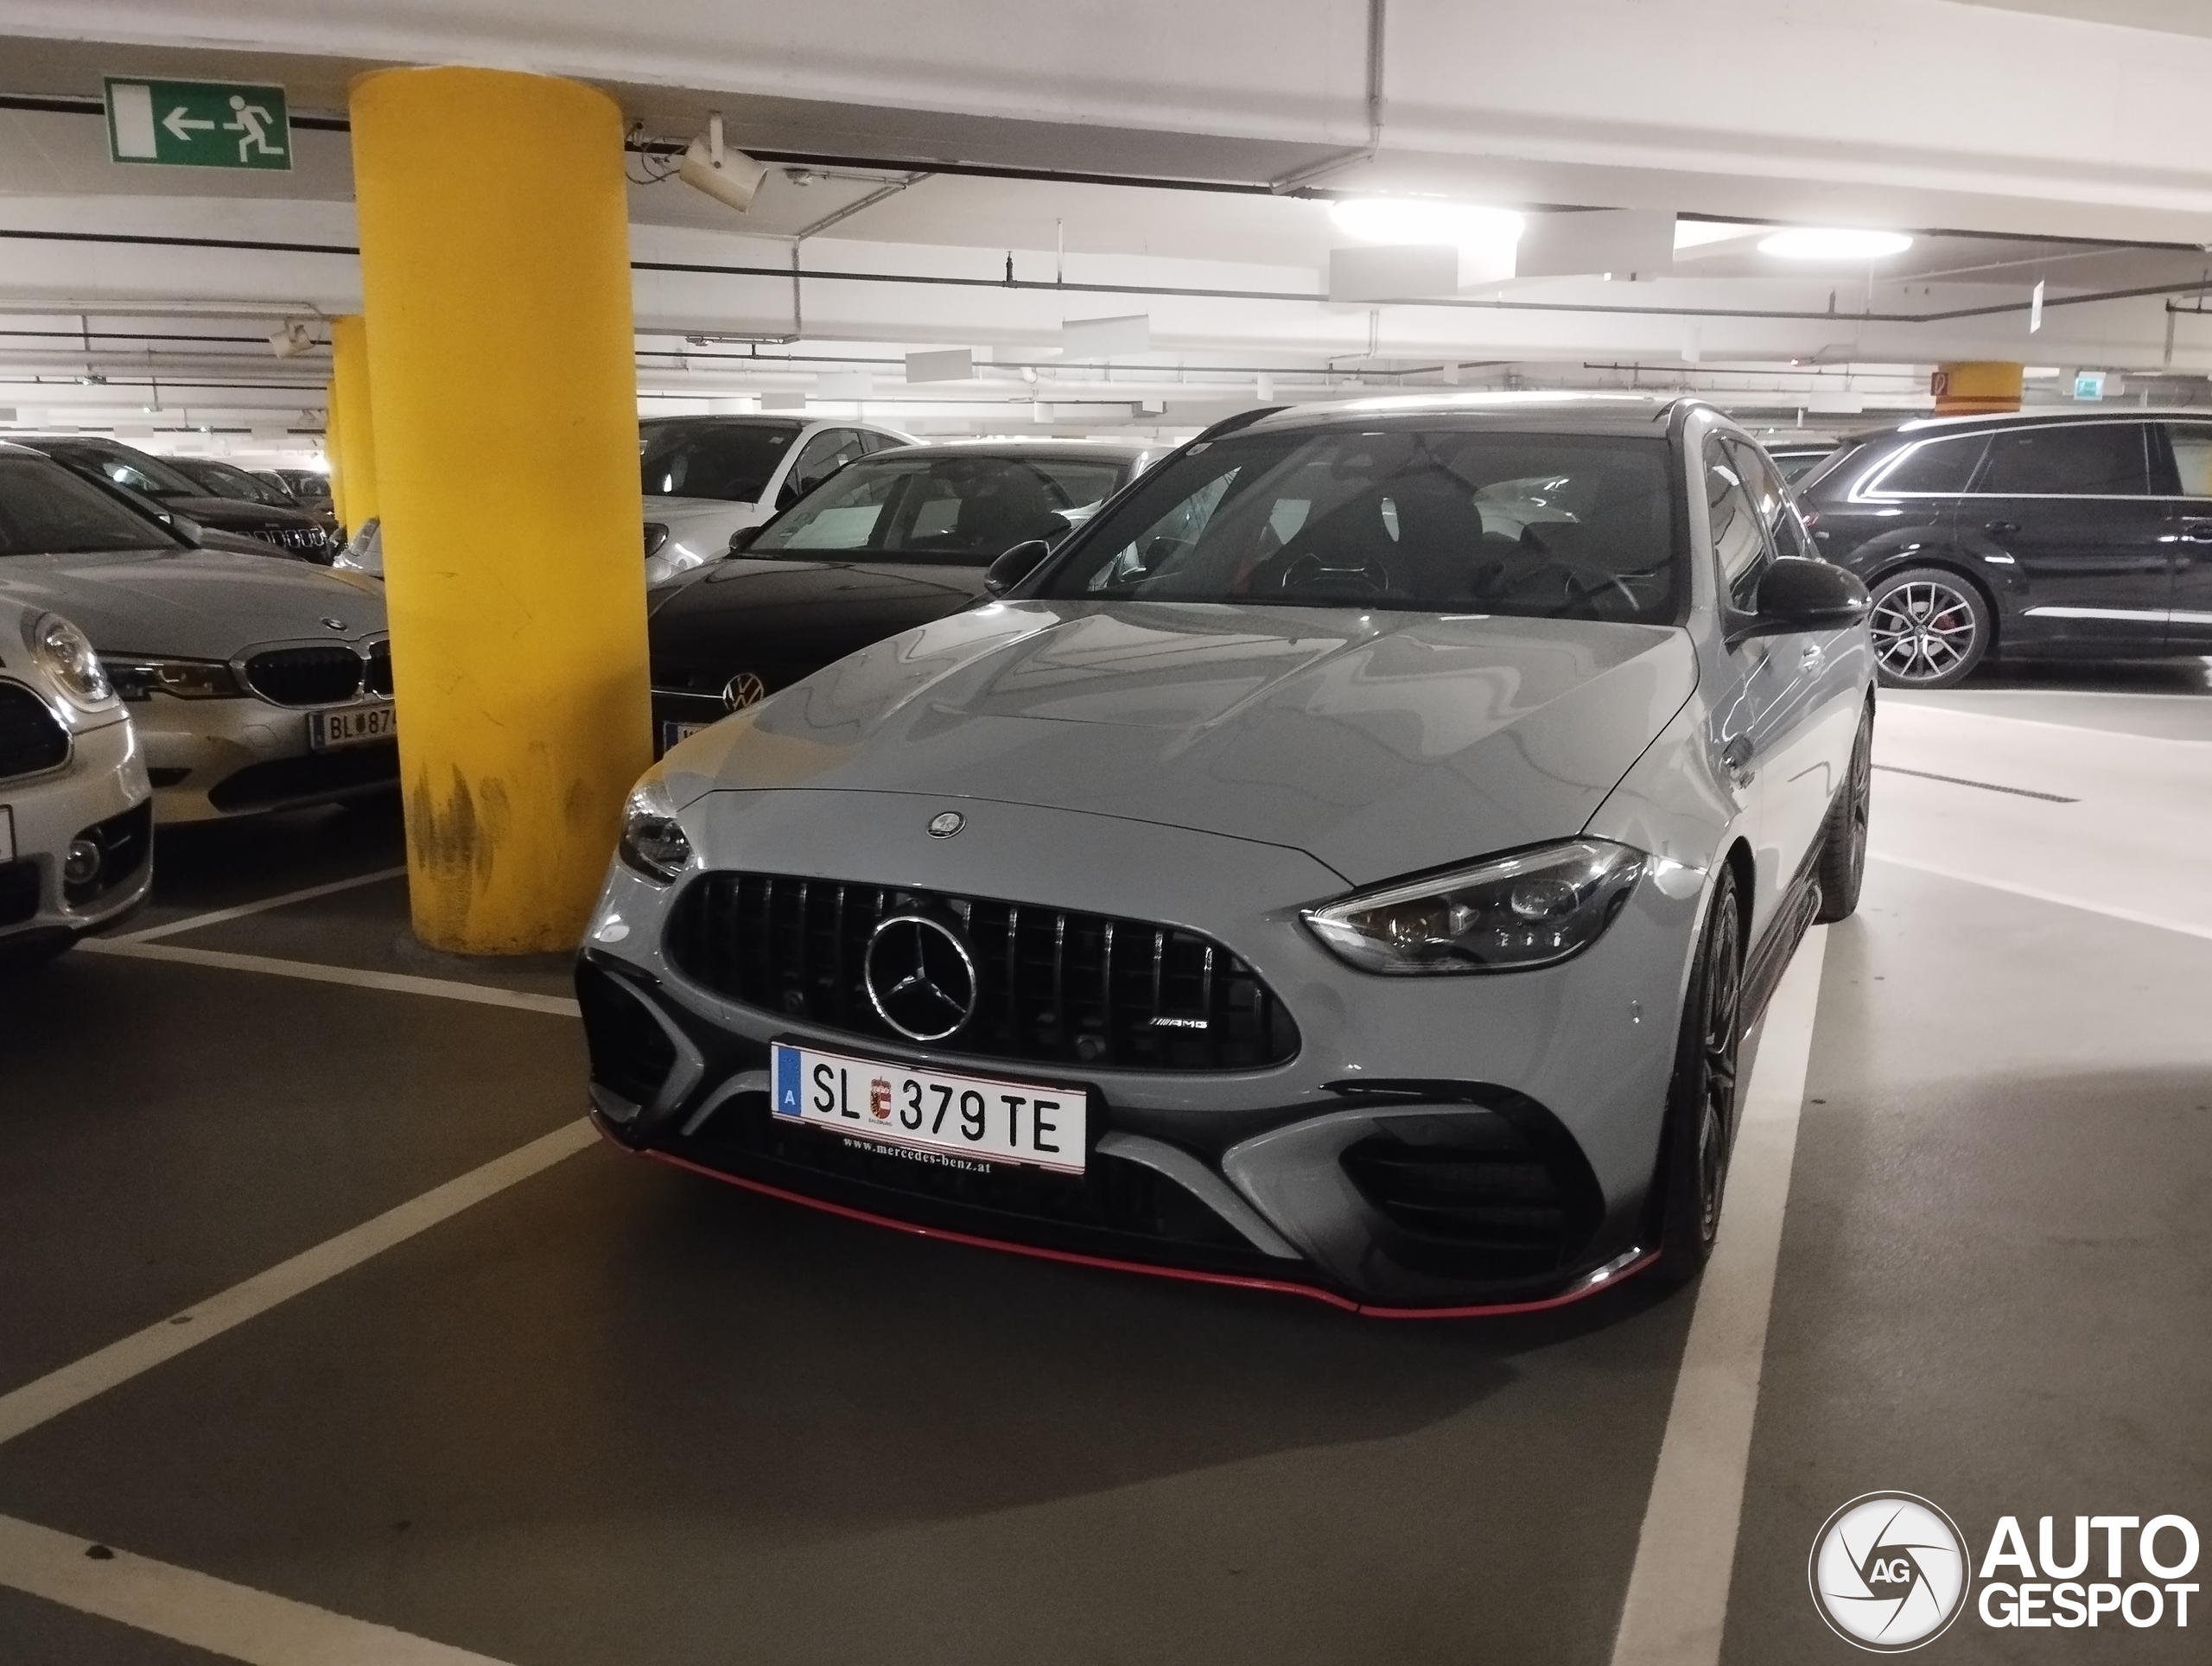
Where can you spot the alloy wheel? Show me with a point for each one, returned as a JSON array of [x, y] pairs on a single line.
[[1923, 630], [1717, 1040]]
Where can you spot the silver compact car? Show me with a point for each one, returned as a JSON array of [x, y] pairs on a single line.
[[76, 821], [253, 684], [1347, 864]]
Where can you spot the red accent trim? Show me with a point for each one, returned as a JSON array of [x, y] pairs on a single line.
[[1235, 1281]]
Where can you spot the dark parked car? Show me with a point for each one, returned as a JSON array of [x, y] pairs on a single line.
[[309, 489], [892, 541], [293, 531], [242, 486], [2038, 533], [1796, 459]]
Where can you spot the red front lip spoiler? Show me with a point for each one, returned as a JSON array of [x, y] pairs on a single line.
[[1235, 1280]]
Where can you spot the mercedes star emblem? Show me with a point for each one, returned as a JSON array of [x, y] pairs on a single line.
[[946, 822], [742, 690], [920, 976]]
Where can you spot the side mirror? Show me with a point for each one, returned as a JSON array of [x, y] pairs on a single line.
[[743, 539], [186, 528], [1799, 593], [1016, 565]]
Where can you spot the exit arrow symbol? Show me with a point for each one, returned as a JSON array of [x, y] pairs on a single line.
[[176, 121]]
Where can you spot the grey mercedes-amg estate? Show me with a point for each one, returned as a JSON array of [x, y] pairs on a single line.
[[1346, 864]]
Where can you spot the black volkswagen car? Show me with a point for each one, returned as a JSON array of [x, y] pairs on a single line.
[[287, 530], [887, 543], [2041, 533]]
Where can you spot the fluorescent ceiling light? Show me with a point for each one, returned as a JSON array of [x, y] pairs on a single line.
[[1696, 233], [1425, 219], [1812, 243]]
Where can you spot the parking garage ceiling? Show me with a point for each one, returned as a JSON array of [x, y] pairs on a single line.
[[1181, 164]]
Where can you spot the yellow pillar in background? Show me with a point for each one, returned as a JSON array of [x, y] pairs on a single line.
[[1978, 389], [355, 455], [330, 449], [495, 269]]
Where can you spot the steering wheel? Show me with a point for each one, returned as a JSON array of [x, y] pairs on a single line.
[[1311, 573]]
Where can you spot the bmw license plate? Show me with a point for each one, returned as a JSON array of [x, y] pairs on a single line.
[[933, 1116], [353, 727], [672, 731]]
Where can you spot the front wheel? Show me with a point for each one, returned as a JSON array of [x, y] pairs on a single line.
[[1930, 628], [1843, 835], [1701, 1099]]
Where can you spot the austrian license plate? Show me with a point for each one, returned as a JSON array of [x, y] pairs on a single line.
[[934, 1116], [6, 834], [672, 731], [351, 728]]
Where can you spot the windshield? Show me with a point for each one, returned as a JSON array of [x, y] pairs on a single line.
[[1453, 520], [226, 481], [963, 510], [133, 469], [46, 511], [726, 460]]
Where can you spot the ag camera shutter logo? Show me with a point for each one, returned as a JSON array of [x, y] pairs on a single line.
[[1889, 1572]]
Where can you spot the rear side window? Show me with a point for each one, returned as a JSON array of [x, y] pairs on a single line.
[[2086, 459], [1934, 467], [2192, 448]]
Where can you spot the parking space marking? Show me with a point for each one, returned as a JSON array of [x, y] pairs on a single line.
[[2132, 916], [23, 1409], [218, 916], [445, 988], [1677, 1602], [205, 1613]]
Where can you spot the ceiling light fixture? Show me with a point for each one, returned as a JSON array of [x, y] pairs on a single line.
[[1425, 219], [1834, 242], [726, 175]]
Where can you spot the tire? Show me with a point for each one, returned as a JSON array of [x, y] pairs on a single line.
[[1931, 628], [1843, 835], [1701, 1097]]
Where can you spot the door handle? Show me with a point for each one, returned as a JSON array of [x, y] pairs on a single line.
[[2197, 531], [1809, 656], [2000, 528], [1736, 758]]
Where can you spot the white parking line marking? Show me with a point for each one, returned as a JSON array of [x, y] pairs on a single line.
[[1678, 1591], [223, 1618], [216, 916], [37, 1402], [446, 989], [2133, 916]]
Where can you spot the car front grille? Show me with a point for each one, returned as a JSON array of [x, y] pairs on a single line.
[[630, 1051], [31, 738], [375, 677], [307, 677], [1051, 985], [300, 540]]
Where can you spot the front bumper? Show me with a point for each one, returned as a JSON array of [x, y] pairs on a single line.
[[1391, 1164], [100, 794], [212, 759]]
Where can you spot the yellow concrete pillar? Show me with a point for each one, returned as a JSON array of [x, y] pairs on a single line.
[[357, 430], [1975, 389], [330, 450], [495, 269]]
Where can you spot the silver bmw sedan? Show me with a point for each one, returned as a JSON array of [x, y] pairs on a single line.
[[1348, 864], [254, 684]]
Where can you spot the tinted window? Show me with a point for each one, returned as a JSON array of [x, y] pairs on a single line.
[[1740, 527], [2080, 460], [1449, 521], [729, 461], [958, 509], [133, 469], [825, 454], [222, 480], [1940, 467], [2192, 449], [45, 510], [1796, 465]]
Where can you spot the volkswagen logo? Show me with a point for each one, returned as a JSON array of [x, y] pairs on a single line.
[[742, 690], [919, 975], [946, 822], [1889, 1572]]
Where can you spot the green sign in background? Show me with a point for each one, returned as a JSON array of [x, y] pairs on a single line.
[[198, 124]]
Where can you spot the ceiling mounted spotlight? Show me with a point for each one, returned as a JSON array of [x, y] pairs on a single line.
[[1424, 219], [291, 338], [726, 175], [1821, 243]]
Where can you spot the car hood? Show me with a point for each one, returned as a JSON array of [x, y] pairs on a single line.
[[1379, 743], [737, 600], [203, 604]]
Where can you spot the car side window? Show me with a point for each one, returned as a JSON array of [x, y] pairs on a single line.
[[2078, 459], [1770, 492], [821, 456], [1939, 469], [1740, 548], [2191, 444]]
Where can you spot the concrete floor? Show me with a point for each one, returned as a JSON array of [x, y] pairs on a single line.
[[616, 1413]]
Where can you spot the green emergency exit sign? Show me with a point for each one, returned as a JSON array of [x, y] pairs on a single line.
[[198, 124]]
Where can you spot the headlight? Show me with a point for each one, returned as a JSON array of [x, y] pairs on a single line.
[[138, 677], [1533, 909], [652, 842], [65, 654]]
